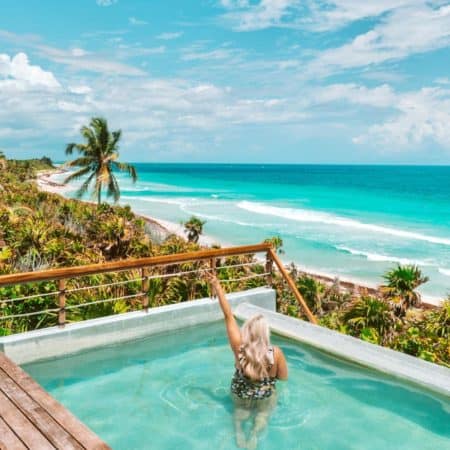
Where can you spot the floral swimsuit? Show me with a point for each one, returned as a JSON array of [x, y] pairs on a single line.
[[245, 388]]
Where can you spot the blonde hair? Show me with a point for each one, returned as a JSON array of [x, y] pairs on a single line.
[[254, 351]]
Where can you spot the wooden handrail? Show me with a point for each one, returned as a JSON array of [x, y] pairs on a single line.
[[290, 282], [128, 264], [64, 273]]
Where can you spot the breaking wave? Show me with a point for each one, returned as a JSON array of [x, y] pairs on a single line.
[[305, 215]]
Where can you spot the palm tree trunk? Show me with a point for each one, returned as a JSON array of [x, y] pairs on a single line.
[[99, 195]]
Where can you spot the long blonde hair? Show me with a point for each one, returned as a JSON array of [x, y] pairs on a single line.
[[254, 352]]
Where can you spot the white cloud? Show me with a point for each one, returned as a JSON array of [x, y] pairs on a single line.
[[422, 116], [246, 16], [78, 52], [80, 89], [150, 111], [82, 61], [413, 117], [136, 22], [169, 36], [218, 54], [442, 80], [332, 14], [106, 2], [128, 51], [403, 32], [76, 58], [379, 97], [18, 68]]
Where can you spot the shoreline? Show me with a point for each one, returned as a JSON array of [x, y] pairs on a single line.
[[162, 227]]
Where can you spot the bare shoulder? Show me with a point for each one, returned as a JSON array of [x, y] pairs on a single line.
[[280, 361]]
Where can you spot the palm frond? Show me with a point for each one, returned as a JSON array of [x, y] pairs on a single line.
[[113, 188], [89, 134], [85, 186], [80, 162], [115, 137], [124, 167], [77, 175], [70, 148], [100, 126]]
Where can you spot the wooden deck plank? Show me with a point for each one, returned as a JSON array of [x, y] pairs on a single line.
[[80, 432], [21, 426], [8, 440], [40, 418]]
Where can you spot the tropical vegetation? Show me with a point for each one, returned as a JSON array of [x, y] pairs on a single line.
[[42, 230]]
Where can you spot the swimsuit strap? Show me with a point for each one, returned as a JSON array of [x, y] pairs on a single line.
[[271, 355]]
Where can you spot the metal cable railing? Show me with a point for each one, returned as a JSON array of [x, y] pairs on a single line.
[[209, 258]]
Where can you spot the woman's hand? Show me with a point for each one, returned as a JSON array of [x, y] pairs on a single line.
[[213, 280]]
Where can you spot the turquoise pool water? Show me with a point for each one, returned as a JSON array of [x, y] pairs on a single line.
[[172, 392]]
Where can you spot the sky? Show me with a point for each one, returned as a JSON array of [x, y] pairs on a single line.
[[274, 81]]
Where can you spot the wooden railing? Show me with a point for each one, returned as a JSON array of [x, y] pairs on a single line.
[[143, 265]]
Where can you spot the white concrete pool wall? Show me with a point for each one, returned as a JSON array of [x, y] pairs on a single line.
[[74, 337], [54, 342]]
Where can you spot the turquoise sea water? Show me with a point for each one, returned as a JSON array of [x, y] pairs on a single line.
[[351, 221], [171, 392]]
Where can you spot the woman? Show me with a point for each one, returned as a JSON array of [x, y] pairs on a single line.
[[258, 366]]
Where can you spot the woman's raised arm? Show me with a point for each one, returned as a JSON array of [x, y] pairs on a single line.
[[233, 331]]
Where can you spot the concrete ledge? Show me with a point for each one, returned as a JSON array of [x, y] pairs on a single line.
[[400, 365], [53, 342]]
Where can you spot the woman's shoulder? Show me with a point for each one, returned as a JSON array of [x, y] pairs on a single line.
[[278, 354]]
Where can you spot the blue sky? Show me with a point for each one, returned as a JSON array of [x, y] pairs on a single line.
[[306, 81]]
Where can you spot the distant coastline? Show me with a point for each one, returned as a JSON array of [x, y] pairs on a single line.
[[164, 228]]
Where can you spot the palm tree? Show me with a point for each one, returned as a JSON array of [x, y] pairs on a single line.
[[98, 158], [194, 228], [400, 288]]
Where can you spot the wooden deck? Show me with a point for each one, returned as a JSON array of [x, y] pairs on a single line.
[[31, 419]]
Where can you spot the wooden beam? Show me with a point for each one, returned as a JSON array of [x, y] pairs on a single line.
[[290, 282], [128, 264], [269, 268], [21, 426], [37, 415], [68, 422], [62, 302], [145, 288], [8, 439]]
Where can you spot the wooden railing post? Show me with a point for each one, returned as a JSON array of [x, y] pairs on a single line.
[[62, 302], [212, 264], [145, 288], [269, 269], [292, 285]]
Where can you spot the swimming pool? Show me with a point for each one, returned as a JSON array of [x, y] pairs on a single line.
[[171, 391]]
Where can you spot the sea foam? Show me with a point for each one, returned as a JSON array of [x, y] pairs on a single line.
[[305, 215], [376, 257]]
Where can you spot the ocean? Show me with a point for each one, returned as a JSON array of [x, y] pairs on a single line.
[[354, 222]]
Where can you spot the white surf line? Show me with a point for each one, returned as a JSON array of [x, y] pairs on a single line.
[[304, 215], [377, 257]]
